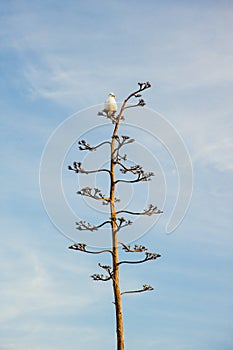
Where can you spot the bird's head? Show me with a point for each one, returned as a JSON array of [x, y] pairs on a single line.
[[112, 94]]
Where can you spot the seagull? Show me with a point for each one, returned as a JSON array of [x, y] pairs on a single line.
[[110, 106]]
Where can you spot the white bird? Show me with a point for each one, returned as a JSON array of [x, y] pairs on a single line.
[[110, 105]]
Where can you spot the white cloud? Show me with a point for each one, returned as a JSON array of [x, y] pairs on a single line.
[[61, 57], [208, 133], [220, 154], [44, 295], [67, 69], [35, 281]]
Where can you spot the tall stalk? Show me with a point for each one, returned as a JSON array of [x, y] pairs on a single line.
[[117, 222]]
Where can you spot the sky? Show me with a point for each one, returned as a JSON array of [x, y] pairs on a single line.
[[59, 59]]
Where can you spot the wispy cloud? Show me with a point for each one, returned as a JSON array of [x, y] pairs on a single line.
[[59, 70], [36, 288], [69, 56], [68, 71], [42, 295], [207, 132]]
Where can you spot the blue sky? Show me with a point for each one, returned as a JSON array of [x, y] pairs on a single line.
[[58, 58]]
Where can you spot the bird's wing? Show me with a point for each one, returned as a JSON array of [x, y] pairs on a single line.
[[107, 105]]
